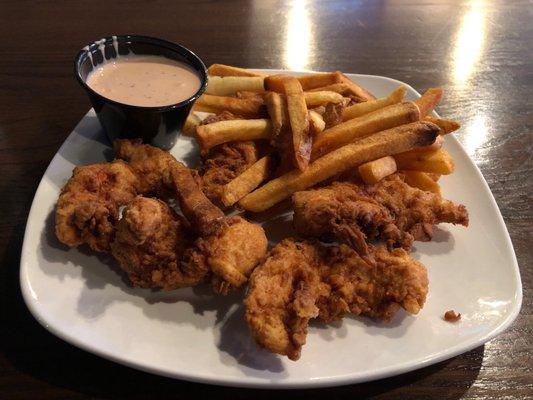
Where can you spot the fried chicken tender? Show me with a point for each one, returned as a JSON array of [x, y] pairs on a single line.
[[377, 289], [223, 164], [389, 210], [282, 296], [302, 280], [153, 165], [230, 246], [152, 245], [88, 206]]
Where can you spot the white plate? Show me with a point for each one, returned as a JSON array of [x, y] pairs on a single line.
[[194, 335]]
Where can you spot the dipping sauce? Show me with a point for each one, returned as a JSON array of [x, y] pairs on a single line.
[[147, 81]]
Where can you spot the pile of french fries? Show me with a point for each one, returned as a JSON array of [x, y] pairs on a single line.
[[329, 126]]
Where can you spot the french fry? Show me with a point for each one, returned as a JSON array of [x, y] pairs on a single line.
[[341, 88], [245, 94], [359, 109], [189, 127], [228, 70], [250, 107], [437, 161], [237, 129], [437, 144], [308, 82], [299, 122], [353, 129], [229, 85], [374, 171], [316, 123], [446, 125], [246, 182], [422, 181], [429, 101], [277, 110], [359, 91], [389, 142], [314, 99], [317, 80]]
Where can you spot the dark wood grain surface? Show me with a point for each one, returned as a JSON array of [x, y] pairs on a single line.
[[479, 51]]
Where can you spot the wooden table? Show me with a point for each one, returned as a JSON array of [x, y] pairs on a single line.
[[480, 52]]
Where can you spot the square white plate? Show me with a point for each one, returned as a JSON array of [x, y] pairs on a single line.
[[192, 334]]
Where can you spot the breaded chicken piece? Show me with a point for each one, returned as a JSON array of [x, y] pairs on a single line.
[[377, 288], [282, 296], [301, 280], [223, 164], [231, 246], [152, 165], [151, 246], [343, 211], [416, 211], [88, 206], [390, 210]]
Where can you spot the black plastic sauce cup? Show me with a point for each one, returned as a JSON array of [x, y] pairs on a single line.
[[158, 126]]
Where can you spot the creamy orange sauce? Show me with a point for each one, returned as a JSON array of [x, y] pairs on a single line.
[[148, 81]]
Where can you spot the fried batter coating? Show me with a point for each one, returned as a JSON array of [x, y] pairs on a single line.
[[231, 246], [301, 280], [390, 210], [223, 164], [151, 246], [377, 289], [153, 165], [88, 206], [344, 212], [282, 296]]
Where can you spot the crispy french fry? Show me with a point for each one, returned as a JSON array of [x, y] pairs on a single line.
[[374, 171], [229, 85], [422, 181], [299, 122], [366, 107], [308, 82], [237, 129], [314, 99], [245, 94], [389, 142], [353, 129], [316, 123], [429, 101], [277, 110], [446, 125], [359, 91], [274, 83], [246, 182], [437, 161], [250, 107], [437, 144], [341, 88], [228, 70], [317, 80], [189, 127]]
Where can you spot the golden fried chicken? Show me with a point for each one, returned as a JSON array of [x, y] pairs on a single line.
[[231, 246], [223, 164], [301, 280], [151, 245], [282, 296], [343, 211], [390, 210], [377, 288], [152, 165], [88, 206], [416, 211]]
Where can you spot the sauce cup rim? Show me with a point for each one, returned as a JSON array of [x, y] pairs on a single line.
[[202, 71]]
